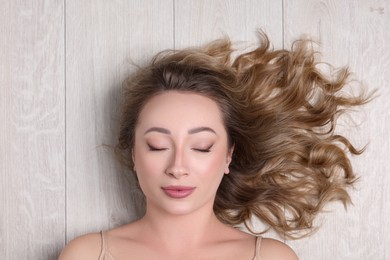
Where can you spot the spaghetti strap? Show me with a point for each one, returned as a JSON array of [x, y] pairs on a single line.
[[257, 248], [103, 246], [105, 253]]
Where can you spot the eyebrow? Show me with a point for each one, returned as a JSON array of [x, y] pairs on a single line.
[[158, 130], [191, 131], [201, 129]]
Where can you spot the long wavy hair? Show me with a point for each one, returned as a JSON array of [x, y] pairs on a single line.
[[280, 113]]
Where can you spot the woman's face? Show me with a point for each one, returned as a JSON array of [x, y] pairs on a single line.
[[180, 152]]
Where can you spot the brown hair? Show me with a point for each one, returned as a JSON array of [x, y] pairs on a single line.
[[280, 113]]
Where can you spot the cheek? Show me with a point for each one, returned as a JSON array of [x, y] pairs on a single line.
[[147, 171], [210, 166], [146, 164]]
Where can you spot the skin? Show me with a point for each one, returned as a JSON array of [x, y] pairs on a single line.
[[180, 140]]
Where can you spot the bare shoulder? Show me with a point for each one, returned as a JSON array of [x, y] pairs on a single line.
[[274, 249], [83, 247]]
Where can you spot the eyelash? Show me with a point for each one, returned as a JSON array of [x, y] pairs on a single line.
[[206, 150], [154, 149]]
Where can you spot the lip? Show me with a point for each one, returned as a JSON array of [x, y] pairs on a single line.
[[178, 192]]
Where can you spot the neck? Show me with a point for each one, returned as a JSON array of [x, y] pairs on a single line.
[[181, 232]]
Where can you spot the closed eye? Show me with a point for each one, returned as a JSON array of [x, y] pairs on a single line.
[[156, 149], [203, 150]]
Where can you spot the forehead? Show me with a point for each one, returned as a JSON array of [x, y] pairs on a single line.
[[185, 109]]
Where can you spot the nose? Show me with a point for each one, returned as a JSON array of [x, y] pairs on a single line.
[[177, 166]]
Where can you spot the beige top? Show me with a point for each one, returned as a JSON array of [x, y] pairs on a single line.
[[106, 255]]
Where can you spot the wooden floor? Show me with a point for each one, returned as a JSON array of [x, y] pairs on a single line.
[[61, 66]]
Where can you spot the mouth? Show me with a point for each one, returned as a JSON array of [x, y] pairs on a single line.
[[178, 192]]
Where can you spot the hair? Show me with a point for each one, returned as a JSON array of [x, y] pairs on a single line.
[[280, 113]]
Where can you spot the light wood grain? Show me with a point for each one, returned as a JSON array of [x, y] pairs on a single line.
[[198, 22], [32, 130], [103, 39], [354, 33]]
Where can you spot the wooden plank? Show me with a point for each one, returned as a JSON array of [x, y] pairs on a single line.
[[32, 136], [103, 39], [197, 22], [354, 33]]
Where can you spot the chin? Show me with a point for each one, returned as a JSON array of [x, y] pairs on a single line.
[[180, 210]]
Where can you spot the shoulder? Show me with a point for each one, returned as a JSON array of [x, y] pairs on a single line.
[[274, 249], [83, 247]]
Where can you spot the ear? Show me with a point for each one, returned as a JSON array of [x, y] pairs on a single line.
[[229, 159]]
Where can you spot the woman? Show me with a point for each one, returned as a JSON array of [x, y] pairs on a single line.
[[215, 141]]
